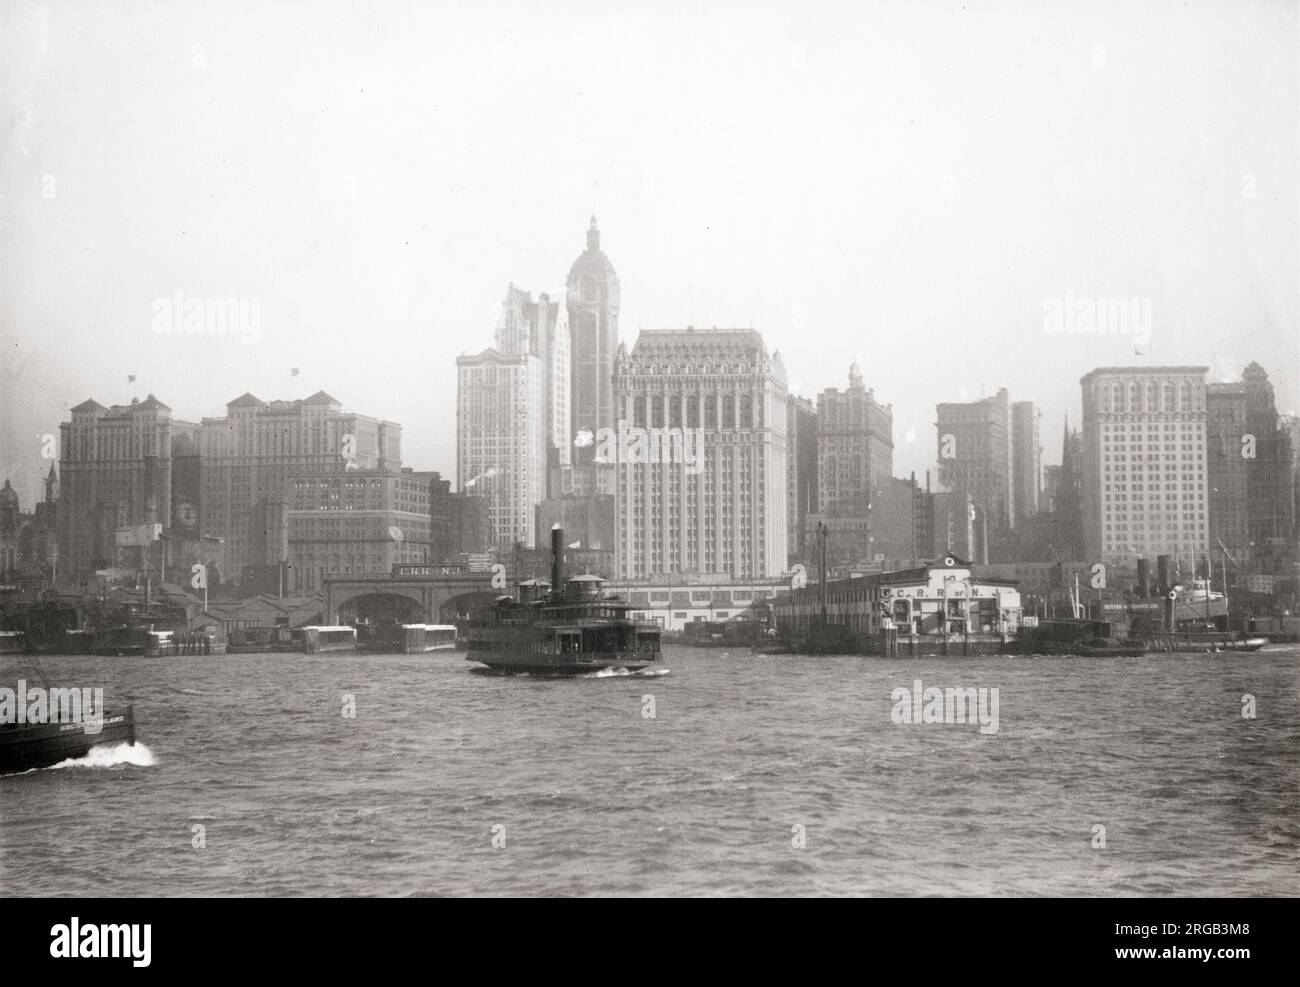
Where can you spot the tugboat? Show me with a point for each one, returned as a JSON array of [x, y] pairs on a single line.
[[564, 628], [24, 746]]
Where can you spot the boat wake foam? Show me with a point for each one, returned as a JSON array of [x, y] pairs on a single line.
[[611, 673], [112, 755]]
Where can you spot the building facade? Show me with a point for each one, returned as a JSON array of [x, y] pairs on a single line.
[[1270, 475], [1144, 485], [1051, 486], [903, 522], [500, 440], [960, 525], [541, 328], [1226, 469], [801, 471], [975, 455], [249, 457], [10, 521], [115, 473], [1026, 458], [855, 463], [467, 527], [699, 455], [675, 604], [356, 521]]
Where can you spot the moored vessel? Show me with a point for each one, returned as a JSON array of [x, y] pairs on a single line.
[[325, 640], [419, 639]]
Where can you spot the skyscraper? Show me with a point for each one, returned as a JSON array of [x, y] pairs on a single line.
[[1226, 496], [1026, 459], [541, 328], [1067, 502], [1144, 477], [855, 461], [700, 457], [801, 469], [975, 455], [500, 438], [1270, 472], [593, 302]]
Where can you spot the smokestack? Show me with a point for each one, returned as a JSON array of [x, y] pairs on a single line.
[[557, 559], [1144, 578]]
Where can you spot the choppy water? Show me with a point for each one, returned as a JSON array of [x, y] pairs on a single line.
[[704, 798]]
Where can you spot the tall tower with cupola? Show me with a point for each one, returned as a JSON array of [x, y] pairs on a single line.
[[593, 302]]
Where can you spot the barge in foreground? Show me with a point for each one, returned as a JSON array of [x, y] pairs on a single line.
[[566, 628]]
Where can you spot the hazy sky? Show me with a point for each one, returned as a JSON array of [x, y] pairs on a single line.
[[907, 184]]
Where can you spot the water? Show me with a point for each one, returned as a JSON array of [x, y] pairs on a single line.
[[704, 798]]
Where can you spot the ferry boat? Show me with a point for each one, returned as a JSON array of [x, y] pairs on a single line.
[[562, 628], [24, 746]]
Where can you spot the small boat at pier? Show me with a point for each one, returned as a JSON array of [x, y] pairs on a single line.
[[420, 639], [327, 640]]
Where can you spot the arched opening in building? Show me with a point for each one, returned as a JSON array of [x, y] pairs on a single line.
[[461, 608], [381, 608]]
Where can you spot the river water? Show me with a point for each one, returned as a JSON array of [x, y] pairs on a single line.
[[731, 773]]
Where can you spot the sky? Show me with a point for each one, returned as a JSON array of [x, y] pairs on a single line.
[[914, 186]]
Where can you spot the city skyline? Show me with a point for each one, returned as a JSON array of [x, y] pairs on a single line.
[[1050, 447], [748, 448], [940, 209]]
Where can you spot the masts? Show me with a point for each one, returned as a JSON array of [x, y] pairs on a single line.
[[1225, 583], [1209, 586]]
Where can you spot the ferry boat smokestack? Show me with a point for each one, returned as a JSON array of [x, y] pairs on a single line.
[[557, 559]]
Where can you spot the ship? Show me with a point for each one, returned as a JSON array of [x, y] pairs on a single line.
[[24, 746], [562, 628]]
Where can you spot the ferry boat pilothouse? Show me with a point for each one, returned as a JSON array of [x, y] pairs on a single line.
[[566, 628]]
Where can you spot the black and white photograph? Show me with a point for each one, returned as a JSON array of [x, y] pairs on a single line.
[[713, 449]]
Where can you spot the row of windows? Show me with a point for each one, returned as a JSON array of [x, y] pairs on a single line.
[[1152, 397]]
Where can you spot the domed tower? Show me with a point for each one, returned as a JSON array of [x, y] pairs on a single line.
[[593, 300]]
